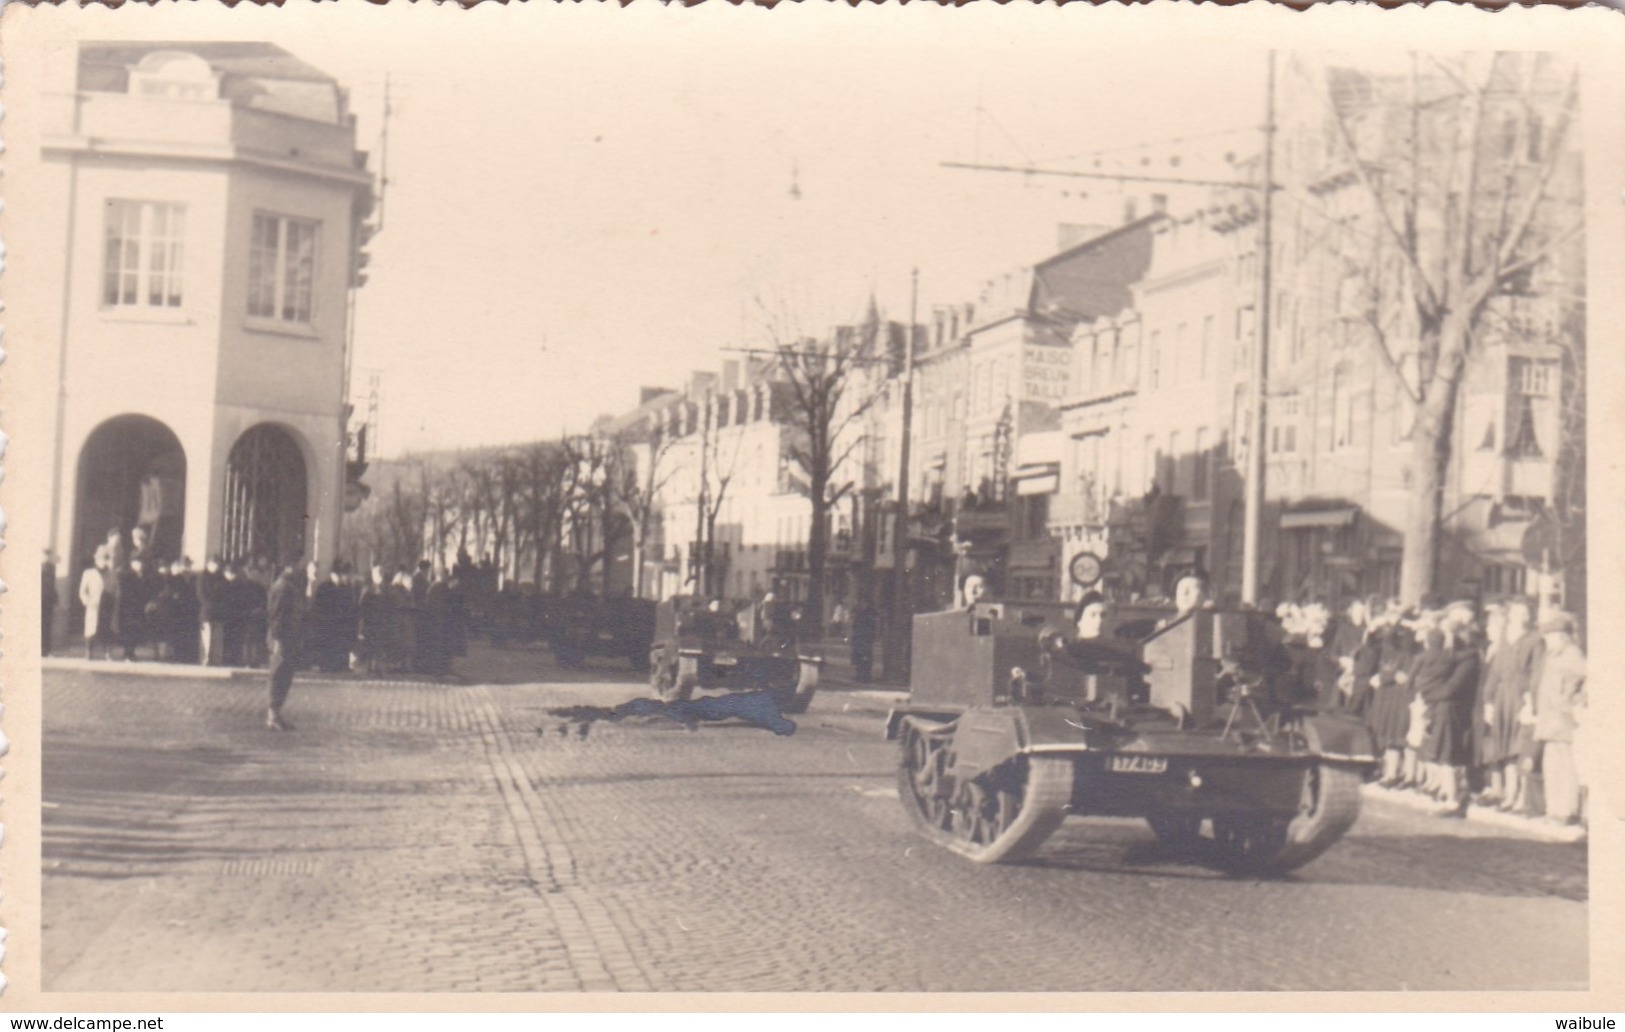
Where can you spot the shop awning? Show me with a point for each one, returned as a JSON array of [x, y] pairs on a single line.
[[1342, 517]]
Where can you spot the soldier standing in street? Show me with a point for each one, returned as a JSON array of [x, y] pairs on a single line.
[[285, 612]]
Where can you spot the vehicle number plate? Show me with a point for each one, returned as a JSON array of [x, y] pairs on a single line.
[[1139, 765]]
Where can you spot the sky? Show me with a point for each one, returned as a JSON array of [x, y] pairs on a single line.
[[583, 200]]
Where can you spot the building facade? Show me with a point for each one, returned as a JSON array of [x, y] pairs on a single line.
[[209, 198]]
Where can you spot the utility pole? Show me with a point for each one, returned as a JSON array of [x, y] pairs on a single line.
[[902, 587], [1253, 512]]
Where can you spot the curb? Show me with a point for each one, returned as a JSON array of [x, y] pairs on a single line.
[[1534, 827], [142, 668]]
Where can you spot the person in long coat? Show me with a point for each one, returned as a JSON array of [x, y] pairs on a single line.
[[1508, 687], [1366, 658], [185, 630], [375, 622], [332, 624], [239, 598], [284, 629], [1560, 702], [1449, 693], [1388, 714], [130, 608], [211, 612], [96, 595]]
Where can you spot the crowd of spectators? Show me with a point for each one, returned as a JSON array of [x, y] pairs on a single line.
[[378, 621], [1467, 704]]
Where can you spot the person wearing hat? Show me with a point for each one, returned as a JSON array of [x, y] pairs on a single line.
[[1191, 592], [1559, 699], [1388, 715], [1099, 658], [1448, 685]]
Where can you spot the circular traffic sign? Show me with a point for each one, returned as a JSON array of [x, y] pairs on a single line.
[[1085, 569]]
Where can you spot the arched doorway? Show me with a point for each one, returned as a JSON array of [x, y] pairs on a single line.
[[132, 473], [264, 515]]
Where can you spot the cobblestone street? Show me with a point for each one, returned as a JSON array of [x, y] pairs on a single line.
[[450, 837]]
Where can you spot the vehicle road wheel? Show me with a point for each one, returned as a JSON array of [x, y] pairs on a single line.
[[684, 680], [1001, 817], [1005, 815], [661, 678], [1327, 810], [805, 687], [921, 783]]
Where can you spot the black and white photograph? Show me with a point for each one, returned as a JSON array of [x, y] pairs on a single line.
[[567, 500]]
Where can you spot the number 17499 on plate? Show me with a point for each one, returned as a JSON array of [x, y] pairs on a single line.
[[1138, 764]]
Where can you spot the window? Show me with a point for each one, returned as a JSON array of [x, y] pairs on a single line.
[[1149, 459], [1284, 426], [1342, 411], [281, 268], [145, 254], [1199, 471], [1505, 579], [1531, 392], [1179, 355], [1153, 361]]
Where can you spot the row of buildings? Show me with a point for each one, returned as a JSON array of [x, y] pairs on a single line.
[[1099, 401]]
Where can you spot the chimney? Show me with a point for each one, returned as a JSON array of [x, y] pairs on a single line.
[[1159, 203], [1130, 210], [730, 375], [701, 382]]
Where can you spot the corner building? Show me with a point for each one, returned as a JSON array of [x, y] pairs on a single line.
[[210, 198]]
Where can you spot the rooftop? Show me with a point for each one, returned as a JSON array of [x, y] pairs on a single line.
[[255, 75]]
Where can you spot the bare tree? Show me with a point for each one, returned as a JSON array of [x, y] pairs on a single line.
[[818, 374], [1467, 167], [592, 521], [542, 508], [639, 470], [719, 461]]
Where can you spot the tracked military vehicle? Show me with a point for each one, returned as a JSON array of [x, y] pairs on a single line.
[[717, 645], [1184, 720]]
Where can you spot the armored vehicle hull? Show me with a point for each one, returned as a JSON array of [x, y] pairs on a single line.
[[618, 628], [698, 648], [1004, 736]]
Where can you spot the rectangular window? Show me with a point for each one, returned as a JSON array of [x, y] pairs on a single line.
[[144, 254], [1178, 355], [1153, 361], [1284, 425], [1342, 411], [1149, 461], [281, 268]]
